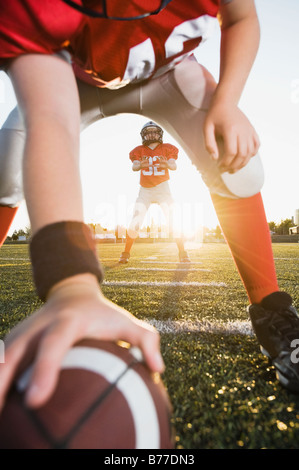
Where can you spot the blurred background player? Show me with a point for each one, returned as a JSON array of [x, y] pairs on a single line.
[[153, 159]]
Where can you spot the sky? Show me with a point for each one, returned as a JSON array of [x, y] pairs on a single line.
[[270, 100]]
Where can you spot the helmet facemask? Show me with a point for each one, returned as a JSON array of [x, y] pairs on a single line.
[[151, 134]]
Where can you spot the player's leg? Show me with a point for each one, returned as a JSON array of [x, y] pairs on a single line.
[[252, 249], [189, 89], [12, 138], [169, 213], [183, 254], [141, 207], [165, 200], [90, 104], [7, 215], [239, 207]]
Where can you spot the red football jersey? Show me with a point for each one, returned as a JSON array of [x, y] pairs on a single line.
[[105, 52], [113, 53], [153, 175], [32, 26]]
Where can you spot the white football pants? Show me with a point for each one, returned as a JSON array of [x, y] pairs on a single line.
[[160, 195]]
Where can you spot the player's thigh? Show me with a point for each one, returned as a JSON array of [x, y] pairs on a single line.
[[179, 101], [11, 181], [12, 140], [141, 207], [90, 106]]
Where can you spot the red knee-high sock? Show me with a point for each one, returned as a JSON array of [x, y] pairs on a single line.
[[7, 214], [180, 244], [244, 225], [129, 244]]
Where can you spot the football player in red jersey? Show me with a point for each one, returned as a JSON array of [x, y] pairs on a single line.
[[130, 57], [153, 159]]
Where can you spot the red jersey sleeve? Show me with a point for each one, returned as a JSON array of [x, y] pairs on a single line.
[[170, 151], [135, 154]]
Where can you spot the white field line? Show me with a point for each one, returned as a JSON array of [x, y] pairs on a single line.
[[174, 270], [203, 326], [192, 260], [162, 284], [170, 262]]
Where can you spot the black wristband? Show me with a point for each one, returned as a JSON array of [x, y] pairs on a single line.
[[61, 250]]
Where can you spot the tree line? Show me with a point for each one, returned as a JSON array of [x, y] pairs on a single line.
[[281, 228]]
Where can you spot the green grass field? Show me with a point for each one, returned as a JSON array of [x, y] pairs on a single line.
[[223, 391]]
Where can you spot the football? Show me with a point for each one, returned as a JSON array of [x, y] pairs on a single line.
[[106, 398]]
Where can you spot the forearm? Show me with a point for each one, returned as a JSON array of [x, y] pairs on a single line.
[[51, 112], [240, 35], [224, 120], [52, 182]]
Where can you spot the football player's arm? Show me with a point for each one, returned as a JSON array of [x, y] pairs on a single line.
[[135, 159], [225, 121], [75, 308], [171, 159], [136, 165], [138, 162], [171, 164]]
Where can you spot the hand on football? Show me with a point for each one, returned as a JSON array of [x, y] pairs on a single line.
[[230, 138], [76, 309]]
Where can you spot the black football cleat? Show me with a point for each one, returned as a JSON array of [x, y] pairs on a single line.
[[276, 324], [124, 258]]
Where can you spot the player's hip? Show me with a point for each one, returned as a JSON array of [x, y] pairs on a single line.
[[155, 195]]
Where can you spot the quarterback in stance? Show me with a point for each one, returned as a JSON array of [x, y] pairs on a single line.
[[73, 62], [153, 159]]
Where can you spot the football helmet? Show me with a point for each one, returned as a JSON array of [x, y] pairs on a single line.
[[151, 132]]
